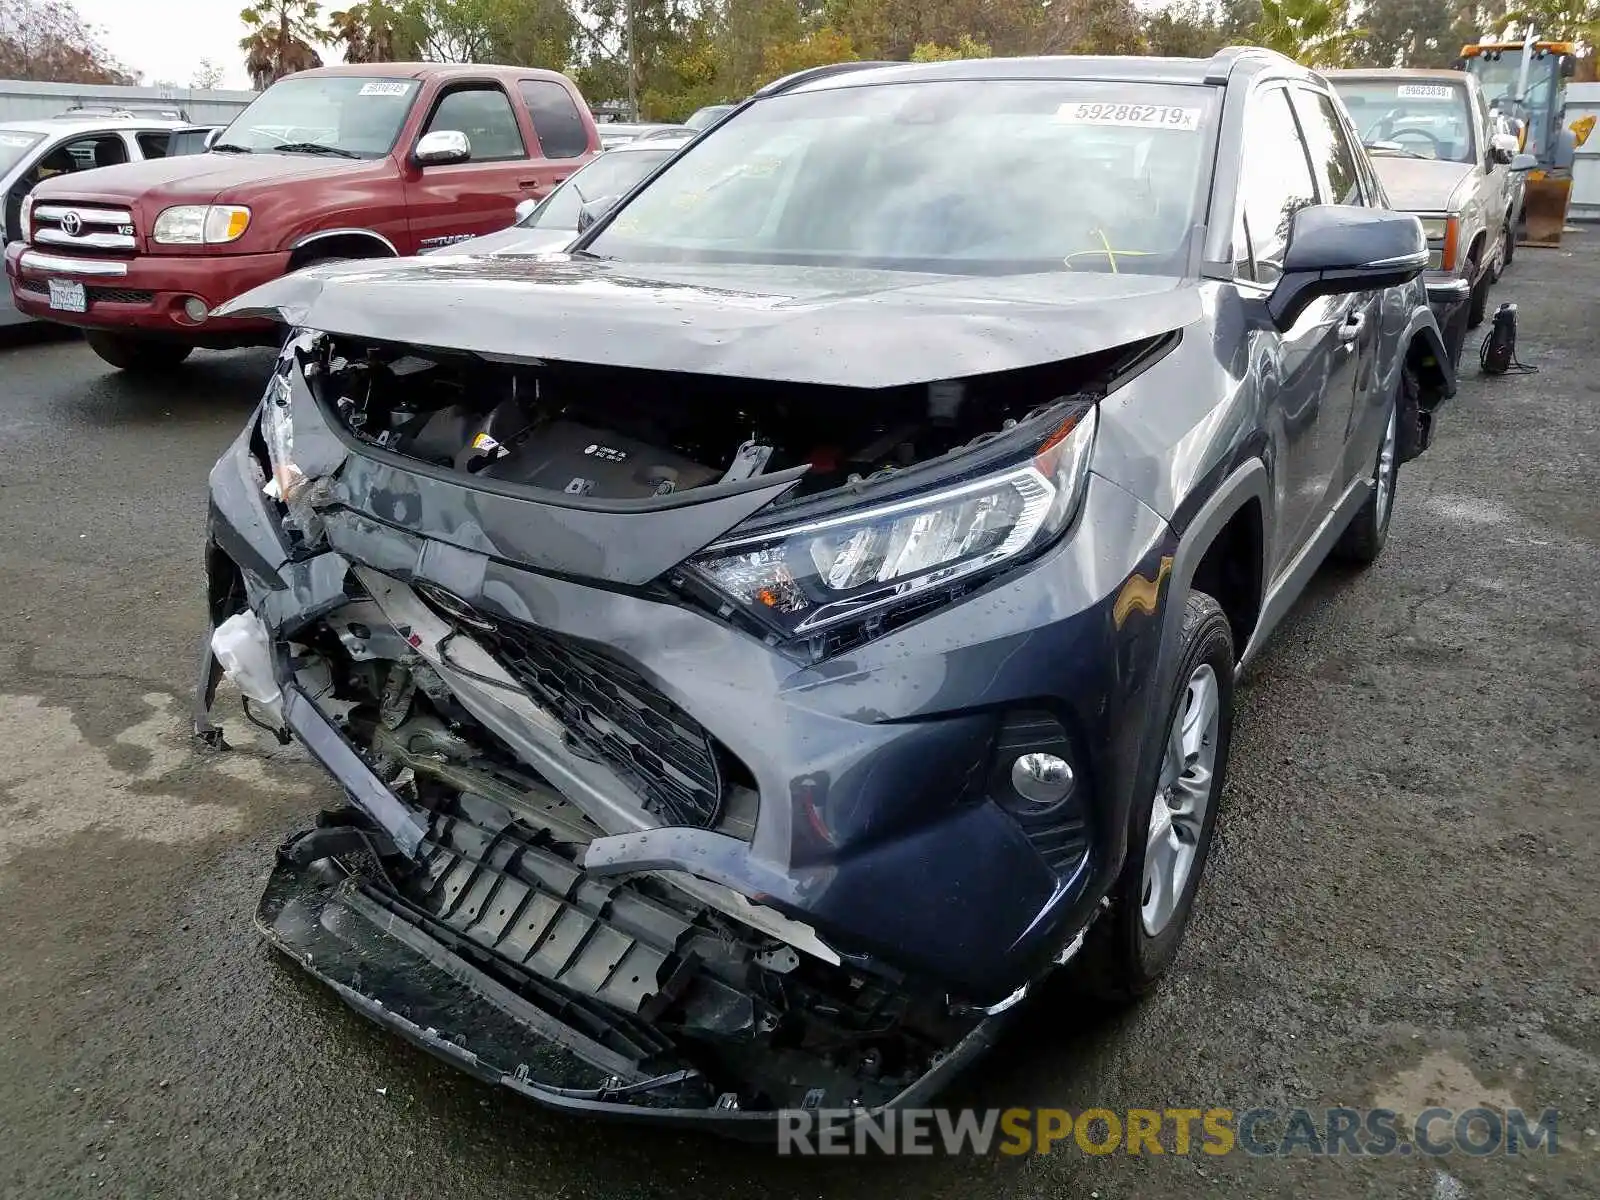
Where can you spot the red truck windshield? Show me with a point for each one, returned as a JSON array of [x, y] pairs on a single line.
[[356, 115]]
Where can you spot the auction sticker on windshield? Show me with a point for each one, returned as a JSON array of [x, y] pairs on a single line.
[[1141, 116], [384, 87], [1425, 91]]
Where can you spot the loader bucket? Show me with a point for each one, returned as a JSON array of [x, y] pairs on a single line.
[[1544, 209]]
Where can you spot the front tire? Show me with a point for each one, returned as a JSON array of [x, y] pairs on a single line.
[[1170, 829], [1478, 306], [1511, 243], [137, 355], [1368, 532]]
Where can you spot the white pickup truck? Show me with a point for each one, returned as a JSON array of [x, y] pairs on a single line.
[[1439, 153]]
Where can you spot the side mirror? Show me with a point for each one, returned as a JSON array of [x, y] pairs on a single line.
[[442, 146], [1523, 162], [1502, 148], [1340, 248], [525, 209], [212, 136], [594, 210]]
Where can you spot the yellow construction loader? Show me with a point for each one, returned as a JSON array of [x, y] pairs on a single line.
[[1525, 83]]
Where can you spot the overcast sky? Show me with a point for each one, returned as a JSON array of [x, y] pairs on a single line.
[[164, 40]]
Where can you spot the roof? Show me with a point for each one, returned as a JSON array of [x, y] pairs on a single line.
[[431, 70], [1143, 69], [88, 124], [1442, 74]]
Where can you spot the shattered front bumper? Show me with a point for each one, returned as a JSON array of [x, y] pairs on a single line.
[[441, 992], [876, 853]]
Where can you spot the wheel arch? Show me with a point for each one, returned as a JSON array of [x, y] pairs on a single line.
[[340, 243]]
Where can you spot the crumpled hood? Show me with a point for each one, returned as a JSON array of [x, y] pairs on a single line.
[[858, 328], [201, 178], [1419, 184]]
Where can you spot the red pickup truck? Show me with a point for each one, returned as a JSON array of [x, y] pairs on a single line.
[[336, 163]]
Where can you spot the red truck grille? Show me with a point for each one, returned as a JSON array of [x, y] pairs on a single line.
[[83, 229]]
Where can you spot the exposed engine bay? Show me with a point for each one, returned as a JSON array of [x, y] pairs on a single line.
[[654, 995], [616, 433]]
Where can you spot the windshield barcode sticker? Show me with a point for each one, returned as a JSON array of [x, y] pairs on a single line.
[[1142, 116], [1425, 91], [384, 87]]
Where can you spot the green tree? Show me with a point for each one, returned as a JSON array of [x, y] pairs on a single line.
[[281, 39], [1187, 29], [966, 47], [1092, 27], [374, 31], [1412, 33], [1317, 33], [1555, 20], [48, 40], [827, 45]]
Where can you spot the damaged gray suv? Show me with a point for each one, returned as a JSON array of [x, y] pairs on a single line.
[[762, 643]]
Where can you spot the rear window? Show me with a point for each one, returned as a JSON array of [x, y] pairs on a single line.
[[555, 118]]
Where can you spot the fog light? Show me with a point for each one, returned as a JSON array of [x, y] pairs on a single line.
[[1042, 778], [196, 309]]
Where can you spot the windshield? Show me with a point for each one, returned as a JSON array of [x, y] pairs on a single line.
[[1429, 120], [612, 175], [14, 144], [358, 115], [979, 177]]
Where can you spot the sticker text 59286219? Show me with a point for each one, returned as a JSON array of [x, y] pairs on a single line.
[[1141, 116]]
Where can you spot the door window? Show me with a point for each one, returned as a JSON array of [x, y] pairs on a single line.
[[1274, 184], [154, 145], [555, 118], [484, 115], [1331, 152], [85, 154]]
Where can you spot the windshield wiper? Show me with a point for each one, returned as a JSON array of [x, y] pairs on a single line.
[[231, 148], [315, 148], [1392, 148]]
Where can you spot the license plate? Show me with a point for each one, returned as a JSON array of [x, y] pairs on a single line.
[[66, 296]]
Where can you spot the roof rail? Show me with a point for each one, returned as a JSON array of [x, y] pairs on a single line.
[[1221, 64], [789, 82], [169, 111]]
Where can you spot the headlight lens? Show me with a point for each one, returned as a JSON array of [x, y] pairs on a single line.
[[197, 224], [815, 575], [27, 217], [1441, 235], [277, 430]]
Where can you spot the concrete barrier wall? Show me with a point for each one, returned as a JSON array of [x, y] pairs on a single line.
[[25, 100]]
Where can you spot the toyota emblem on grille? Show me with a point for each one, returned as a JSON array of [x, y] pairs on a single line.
[[71, 223], [453, 606]]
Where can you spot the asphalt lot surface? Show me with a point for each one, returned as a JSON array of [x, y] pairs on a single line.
[[1402, 909]]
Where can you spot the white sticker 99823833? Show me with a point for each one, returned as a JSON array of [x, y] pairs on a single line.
[[1425, 91], [1138, 116], [384, 87]]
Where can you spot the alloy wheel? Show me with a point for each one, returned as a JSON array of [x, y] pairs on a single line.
[[1183, 795], [1384, 476]]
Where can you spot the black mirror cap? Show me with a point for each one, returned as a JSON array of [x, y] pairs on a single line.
[[1501, 157], [1337, 248]]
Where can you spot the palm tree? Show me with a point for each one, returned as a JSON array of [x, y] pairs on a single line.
[[1314, 32], [371, 32], [281, 39]]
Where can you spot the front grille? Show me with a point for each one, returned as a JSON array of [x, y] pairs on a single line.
[[613, 714], [40, 287], [84, 228]]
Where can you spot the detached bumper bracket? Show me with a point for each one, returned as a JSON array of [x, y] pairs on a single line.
[[404, 826]]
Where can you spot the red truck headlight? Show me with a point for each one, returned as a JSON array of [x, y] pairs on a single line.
[[201, 224]]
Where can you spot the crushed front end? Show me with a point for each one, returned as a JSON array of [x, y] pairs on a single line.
[[638, 824]]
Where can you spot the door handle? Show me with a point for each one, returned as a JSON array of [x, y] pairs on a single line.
[[1352, 327], [530, 185]]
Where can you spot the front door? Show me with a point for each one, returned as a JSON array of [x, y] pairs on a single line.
[[450, 202]]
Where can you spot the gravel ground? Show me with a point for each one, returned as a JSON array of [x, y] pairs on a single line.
[[1401, 910]]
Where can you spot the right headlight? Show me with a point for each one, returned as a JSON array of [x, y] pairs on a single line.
[[201, 224], [817, 574]]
